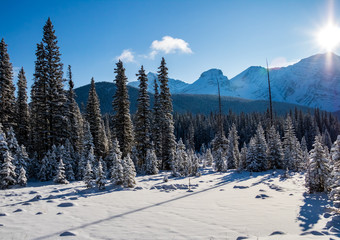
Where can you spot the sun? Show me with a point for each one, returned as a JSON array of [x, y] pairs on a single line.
[[329, 37]]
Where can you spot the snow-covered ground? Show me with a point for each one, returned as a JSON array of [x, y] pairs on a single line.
[[219, 206]]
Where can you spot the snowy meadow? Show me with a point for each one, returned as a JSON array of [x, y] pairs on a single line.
[[232, 205]]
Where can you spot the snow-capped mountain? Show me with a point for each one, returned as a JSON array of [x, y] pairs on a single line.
[[313, 82], [207, 83], [175, 86]]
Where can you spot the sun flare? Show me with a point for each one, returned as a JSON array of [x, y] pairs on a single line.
[[329, 37]]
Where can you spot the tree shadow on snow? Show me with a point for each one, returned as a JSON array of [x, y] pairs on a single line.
[[233, 176], [313, 208]]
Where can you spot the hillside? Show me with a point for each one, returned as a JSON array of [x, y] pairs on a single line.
[[193, 103]]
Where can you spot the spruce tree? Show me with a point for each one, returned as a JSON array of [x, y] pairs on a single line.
[[115, 160], [43, 174], [167, 123], [3, 145], [88, 176], [49, 110], [256, 157], [22, 112], [220, 160], [142, 126], [209, 157], [60, 177], [156, 122], [334, 182], [56, 98], [233, 154], [74, 115], [274, 151], [243, 158], [7, 97], [7, 171], [100, 181], [39, 105], [22, 179], [121, 107], [94, 118], [129, 172], [151, 162], [318, 170]]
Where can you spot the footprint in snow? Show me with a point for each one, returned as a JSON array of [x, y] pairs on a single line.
[[67, 234], [38, 213], [26, 203], [262, 196], [3, 214], [241, 238], [315, 233], [18, 210], [59, 213], [262, 190], [66, 204], [32, 192], [73, 198], [1, 225], [241, 187], [277, 233]]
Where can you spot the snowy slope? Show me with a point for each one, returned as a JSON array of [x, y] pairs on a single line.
[[207, 83], [221, 206], [313, 82], [175, 86]]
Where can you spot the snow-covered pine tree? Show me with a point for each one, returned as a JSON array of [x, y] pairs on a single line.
[[209, 157], [334, 181], [318, 171], [94, 118], [12, 141], [129, 172], [220, 145], [243, 158], [88, 176], [22, 112], [115, 159], [195, 165], [7, 172], [156, 122], [180, 166], [100, 180], [44, 174], [220, 160], [3, 145], [48, 110], [121, 107], [142, 125], [256, 156], [291, 147], [68, 156], [39, 105], [326, 139], [274, 151], [56, 97], [167, 123], [151, 162], [21, 159], [60, 177], [233, 154], [305, 153], [74, 115], [7, 97], [22, 179]]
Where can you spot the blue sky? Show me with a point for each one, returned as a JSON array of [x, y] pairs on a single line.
[[193, 36]]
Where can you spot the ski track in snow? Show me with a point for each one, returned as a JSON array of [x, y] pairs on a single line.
[[221, 206]]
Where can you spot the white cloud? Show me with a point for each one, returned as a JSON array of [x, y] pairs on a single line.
[[169, 45], [281, 62], [126, 56]]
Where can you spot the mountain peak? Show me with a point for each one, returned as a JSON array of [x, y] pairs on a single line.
[[214, 72]]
